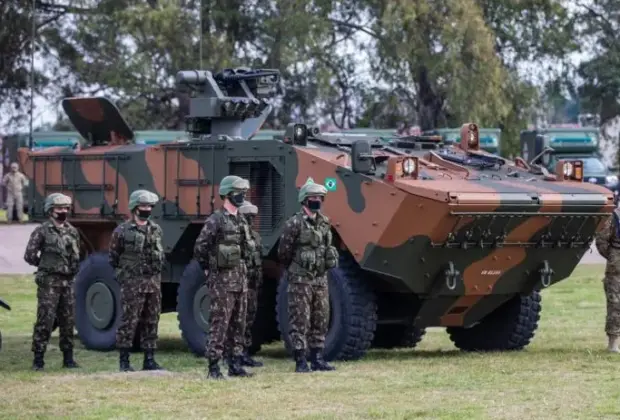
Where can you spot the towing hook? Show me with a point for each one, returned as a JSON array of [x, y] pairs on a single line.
[[545, 274], [451, 274]]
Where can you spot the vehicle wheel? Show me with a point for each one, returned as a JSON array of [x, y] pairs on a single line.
[[193, 308], [510, 327], [265, 327], [353, 313], [397, 336], [97, 303]]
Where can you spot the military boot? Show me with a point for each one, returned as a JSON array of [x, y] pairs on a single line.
[[317, 362], [246, 360], [149, 361], [301, 365], [214, 369], [38, 363], [67, 360], [236, 369], [614, 344], [124, 365]]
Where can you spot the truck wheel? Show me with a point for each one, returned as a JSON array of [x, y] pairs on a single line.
[[397, 336], [193, 308], [510, 327], [97, 303], [353, 313]]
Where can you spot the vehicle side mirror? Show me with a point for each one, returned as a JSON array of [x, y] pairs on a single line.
[[361, 157]]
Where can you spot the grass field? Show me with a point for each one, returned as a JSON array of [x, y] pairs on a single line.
[[565, 373]]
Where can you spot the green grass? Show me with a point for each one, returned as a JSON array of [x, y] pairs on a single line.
[[565, 373]]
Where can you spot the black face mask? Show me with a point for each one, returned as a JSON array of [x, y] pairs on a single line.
[[61, 217], [314, 206], [237, 199], [144, 214]]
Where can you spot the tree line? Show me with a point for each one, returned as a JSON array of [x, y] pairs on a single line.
[[356, 63]]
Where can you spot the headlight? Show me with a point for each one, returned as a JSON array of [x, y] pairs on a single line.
[[408, 166], [568, 169], [611, 180]]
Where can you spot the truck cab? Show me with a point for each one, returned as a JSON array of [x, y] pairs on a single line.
[[569, 143]]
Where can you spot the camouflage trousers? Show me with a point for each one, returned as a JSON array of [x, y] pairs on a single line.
[[141, 312], [611, 284], [226, 324], [308, 314], [16, 202], [254, 284], [53, 302]]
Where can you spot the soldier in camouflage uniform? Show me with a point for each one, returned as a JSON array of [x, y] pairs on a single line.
[[306, 251], [54, 248], [14, 183], [137, 255], [255, 280], [219, 250], [608, 245]]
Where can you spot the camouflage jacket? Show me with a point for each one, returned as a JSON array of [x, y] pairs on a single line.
[[221, 248], [55, 250], [137, 255], [607, 243], [306, 248], [15, 182]]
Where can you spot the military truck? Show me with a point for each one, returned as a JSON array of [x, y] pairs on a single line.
[[489, 137], [569, 143], [429, 235]]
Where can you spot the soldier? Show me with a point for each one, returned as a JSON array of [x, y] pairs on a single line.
[[15, 182], [608, 245], [219, 250], [54, 248], [137, 255], [306, 251], [255, 280]]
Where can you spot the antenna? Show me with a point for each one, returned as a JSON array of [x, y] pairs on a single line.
[[32, 42], [200, 29]]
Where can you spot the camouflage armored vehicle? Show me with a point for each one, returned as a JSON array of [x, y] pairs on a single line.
[[429, 235]]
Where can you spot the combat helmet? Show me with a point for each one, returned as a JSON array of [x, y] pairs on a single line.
[[142, 197], [56, 200], [248, 209], [311, 189], [231, 183]]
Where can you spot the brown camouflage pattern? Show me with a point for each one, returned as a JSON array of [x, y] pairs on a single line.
[[139, 276], [608, 245], [42, 252], [405, 229], [255, 281], [226, 335], [55, 301]]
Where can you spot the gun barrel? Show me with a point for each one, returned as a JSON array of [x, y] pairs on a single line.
[[192, 77]]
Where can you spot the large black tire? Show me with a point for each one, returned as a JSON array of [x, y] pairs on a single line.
[[97, 303], [397, 336], [510, 327], [193, 308], [353, 310]]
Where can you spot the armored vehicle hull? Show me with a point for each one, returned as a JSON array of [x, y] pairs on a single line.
[[429, 235]]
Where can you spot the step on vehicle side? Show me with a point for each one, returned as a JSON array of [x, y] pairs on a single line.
[[430, 235]]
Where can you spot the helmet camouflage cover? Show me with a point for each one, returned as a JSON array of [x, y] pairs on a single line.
[[56, 200], [248, 208], [310, 189], [232, 183], [142, 197]]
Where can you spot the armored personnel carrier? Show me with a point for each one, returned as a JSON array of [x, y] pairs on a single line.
[[429, 234]]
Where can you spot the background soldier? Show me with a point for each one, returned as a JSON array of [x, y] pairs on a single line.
[[219, 250], [306, 250], [255, 280], [54, 248], [15, 182], [137, 255], [608, 245]]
